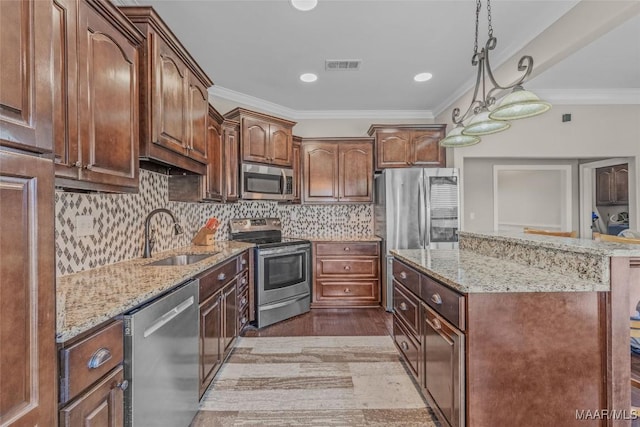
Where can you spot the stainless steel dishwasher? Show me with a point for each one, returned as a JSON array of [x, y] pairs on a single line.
[[161, 360]]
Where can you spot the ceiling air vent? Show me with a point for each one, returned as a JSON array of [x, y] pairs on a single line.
[[342, 64]]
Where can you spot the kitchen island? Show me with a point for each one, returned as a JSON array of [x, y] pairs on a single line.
[[514, 329]]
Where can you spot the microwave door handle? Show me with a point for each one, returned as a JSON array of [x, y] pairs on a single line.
[[283, 183]]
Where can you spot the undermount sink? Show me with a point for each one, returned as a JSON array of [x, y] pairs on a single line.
[[183, 259]]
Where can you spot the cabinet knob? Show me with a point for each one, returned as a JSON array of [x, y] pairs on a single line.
[[403, 275], [403, 306], [243, 301], [347, 267], [243, 261], [222, 276], [436, 324], [347, 248], [436, 299], [404, 345], [244, 280], [123, 385], [243, 320], [408, 163], [99, 358], [78, 164], [347, 291]]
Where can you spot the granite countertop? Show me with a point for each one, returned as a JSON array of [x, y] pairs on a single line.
[[86, 299], [586, 246], [468, 272], [339, 238]]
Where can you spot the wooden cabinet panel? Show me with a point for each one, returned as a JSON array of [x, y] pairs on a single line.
[[446, 302], [604, 187], [230, 314], [280, 141], [171, 109], [197, 113], [102, 406], [255, 141], [612, 185], [401, 146], [215, 167], [346, 292], [25, 66], [27, 317], [407, 307], [621, 184], [353, 267], [407, 276], [347, 248], [355, 176], [211, 339], [410, 349], [231, 160], [297, 171], [320, 179]]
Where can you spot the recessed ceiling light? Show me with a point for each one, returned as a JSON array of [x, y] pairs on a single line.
[[304, 5], [423, 77], [308, 77]]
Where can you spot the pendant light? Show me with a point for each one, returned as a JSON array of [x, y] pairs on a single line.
[[518, 104]]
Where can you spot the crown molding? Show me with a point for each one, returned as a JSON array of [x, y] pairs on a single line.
[[290, 113], [629, 96]]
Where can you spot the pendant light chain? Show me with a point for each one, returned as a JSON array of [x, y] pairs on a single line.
[[475, 44], [489, 18]]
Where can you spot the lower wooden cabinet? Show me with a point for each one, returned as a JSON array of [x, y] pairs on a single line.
[[346, 274], [210, 337]]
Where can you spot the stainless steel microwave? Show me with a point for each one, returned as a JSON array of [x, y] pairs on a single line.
[[262, 182]]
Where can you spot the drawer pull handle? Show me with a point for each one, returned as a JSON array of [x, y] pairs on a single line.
[[99, 358], [404, 345], [436, 324], [347, 291], [403, 275], [123, 385], [222, 276], [403, 306], [436, 298], [347, 267], [347, 248]]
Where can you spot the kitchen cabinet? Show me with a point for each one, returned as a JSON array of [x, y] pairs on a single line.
[[26, 115], [27, 276], [230, 132], [337, 170], [95, 69], [402, 146], [92, 380], [346, 274], [263, 138], [215, 178], [297, 172], [612, 185], [173, 98]]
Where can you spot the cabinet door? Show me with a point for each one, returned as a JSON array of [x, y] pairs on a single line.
[[604, 186], [355, 178], [621, 184], [394, 150], [102, 406], [426, 148], [210, 339], [320, 179], [28, 355], [215, 167], [197, 113], [255, 141], [280, 141], [231, 162], [25, 67], [108, 102], [230, 316], [169, 129], [295, 162], [444, 366], [65, 77]]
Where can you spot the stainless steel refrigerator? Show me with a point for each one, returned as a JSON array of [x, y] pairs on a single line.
[[415, 208]]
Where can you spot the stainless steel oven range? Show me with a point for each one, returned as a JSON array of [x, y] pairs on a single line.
[[282, 269]]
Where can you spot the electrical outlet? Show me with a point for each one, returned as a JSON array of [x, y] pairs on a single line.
[[84, 225], [472, 215]]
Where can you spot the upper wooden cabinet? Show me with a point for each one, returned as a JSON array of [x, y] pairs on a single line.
[[612, 185], [337, 170], [230, 132], [173, 98], [25, 70], [297, 172], [263, 138], [403, 146], [95, 71], [222, 168]]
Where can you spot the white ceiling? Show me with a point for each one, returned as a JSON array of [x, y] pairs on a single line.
[[255, 50]]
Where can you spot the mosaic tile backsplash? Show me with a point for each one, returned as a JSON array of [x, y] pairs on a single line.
[[118, 222]]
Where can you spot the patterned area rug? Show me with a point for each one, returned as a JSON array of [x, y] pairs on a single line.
[[314, 381]]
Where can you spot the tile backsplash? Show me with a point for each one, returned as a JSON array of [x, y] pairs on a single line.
[[118, 222]]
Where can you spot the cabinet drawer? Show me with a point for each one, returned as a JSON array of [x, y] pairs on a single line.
[[243, 261], [407, 276], [446, 302], [347, 248], [407, 307], [216, 278], [360, 290], [85, 362], [243, 318], [243, 282], [243, 299], [408, 347], [351, 267]]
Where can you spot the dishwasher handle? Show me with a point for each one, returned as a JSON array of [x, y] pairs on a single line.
[[168, 316]]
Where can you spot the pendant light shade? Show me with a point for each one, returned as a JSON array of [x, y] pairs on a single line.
[[519, 104], [455, 138], [481, 124]]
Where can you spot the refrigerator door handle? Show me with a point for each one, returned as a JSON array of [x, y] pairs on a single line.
[[426, 238], [420, 215]]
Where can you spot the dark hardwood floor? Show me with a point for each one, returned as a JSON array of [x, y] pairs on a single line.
[[329, 322]]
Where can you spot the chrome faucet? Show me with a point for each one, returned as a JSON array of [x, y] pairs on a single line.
[[148, 242]]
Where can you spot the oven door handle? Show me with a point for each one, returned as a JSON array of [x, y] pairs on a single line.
[[284, 249], [283, 303]]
